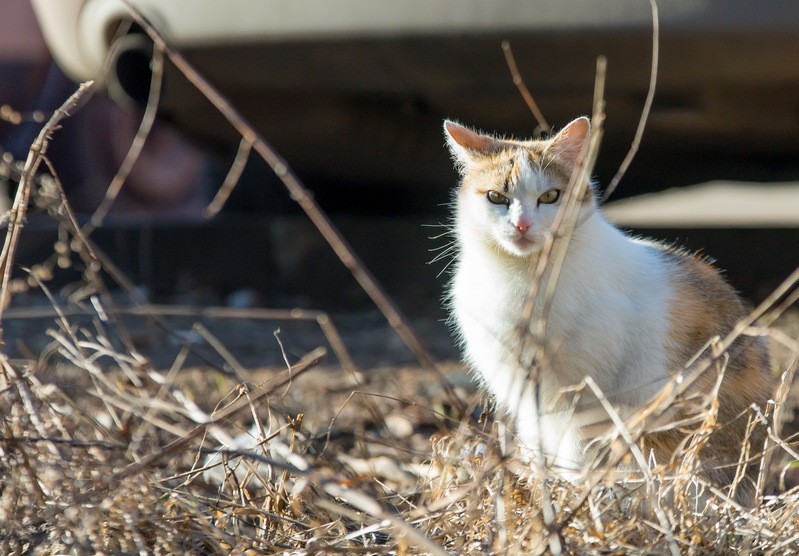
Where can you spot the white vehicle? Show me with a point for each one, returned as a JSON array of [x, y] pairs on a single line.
[[354, 91]]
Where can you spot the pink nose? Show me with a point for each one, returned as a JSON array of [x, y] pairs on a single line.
[[523, 226]]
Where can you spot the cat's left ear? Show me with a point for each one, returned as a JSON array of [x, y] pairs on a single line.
[[568, 145], [466, 145]]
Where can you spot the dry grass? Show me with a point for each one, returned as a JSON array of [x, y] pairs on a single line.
[[101, 452]]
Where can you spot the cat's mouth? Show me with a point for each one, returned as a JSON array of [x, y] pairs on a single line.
[[524, 245]]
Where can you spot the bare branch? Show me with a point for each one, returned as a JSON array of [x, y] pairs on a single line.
[[302, 197], [231, 179], [20, 207], [510, 59], [146, 125], [650, 96]]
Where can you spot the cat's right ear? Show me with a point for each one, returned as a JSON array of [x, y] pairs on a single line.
[[466, 145]]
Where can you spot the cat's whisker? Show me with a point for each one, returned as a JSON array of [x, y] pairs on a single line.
[[440, 256], [449, 262], [443, 234], [440, 247], [443, 270], [444, 254], [544, 167]]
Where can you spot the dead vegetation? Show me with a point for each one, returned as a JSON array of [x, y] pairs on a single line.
[[102, 452]]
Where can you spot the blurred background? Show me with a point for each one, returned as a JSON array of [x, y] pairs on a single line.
[[353, 93]]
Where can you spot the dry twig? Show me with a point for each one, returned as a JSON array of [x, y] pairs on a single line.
[[304, 199], [20, 207]]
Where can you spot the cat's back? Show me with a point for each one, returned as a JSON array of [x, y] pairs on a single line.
[[705, 309], [704, 305]]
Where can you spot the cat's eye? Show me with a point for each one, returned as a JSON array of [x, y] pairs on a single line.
[[549, 196], [497, 198]]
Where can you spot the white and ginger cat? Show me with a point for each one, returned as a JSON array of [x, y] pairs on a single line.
[[628, 313]]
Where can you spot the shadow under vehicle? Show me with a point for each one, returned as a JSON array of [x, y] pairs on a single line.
[[352, 93]]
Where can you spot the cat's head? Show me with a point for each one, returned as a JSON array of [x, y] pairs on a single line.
[[511, 190]]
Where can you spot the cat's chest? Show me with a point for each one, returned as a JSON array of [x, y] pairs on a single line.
[[491, 303], [604, 321], [486, 300], [585, 331]]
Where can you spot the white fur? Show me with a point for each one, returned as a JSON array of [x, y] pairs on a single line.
[[607, 320]]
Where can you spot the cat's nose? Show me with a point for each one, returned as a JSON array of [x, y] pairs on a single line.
[[523, 226]]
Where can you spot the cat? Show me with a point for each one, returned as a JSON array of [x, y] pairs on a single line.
[[627, 312]]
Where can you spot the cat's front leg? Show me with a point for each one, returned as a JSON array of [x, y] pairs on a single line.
[[551, 434]]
